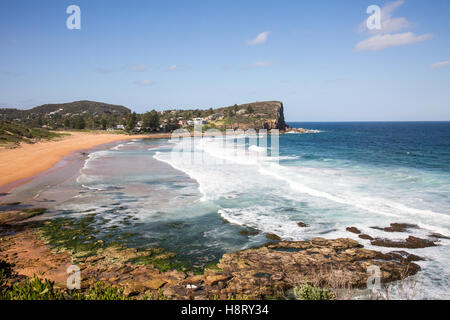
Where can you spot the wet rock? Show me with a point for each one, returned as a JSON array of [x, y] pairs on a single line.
[[302, 224], [272, 236], [12, 216], [411, 243], [397, 227], [438, 236], [9, 204], [403, 255], [248, 232], [365, 236], [353, 230]]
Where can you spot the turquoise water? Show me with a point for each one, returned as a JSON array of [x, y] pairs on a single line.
[[347, 174]]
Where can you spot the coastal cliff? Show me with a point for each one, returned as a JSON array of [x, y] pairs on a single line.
[[257, 115]]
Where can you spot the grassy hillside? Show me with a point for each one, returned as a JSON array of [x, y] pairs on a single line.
[[11, 133], [71, 108], [79, 107], [73, 115]]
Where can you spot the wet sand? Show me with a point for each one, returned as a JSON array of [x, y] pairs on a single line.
[[28, 160]]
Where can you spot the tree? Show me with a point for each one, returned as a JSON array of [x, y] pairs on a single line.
[[250, 109], [150, 120], [131, 121], [66, 123], [172, 125], [80, 123], [229, 116], [103, 123]]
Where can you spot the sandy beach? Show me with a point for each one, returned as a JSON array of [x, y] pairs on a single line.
[[31, 159]]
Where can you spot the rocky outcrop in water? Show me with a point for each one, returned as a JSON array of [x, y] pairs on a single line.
[[411, 243], [397, 227]]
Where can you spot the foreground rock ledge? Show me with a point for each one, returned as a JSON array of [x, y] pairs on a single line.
[[339, 263], [270, 270], [258, 273]]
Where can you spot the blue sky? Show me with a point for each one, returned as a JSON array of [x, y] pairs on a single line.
[[315, 56]]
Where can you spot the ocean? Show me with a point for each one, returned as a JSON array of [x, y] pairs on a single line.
[[367, 174]]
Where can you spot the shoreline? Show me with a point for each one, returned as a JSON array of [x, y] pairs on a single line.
[[20, 165]]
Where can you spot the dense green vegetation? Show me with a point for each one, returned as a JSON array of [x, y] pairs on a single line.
[[308, 292], [12, 132]]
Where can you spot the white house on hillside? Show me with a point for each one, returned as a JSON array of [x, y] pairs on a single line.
[[199, 121]]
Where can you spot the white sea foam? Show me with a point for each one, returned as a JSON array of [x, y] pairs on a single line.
[[226, 179], [118, 147], [263, 219]]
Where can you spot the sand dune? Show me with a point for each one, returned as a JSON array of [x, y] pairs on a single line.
[[31, 159]]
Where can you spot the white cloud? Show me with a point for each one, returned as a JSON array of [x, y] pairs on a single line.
[[138, 68], [262, 64], [384, 41], [144, 83], [260, 38], [173, 67], [385, 37], [440, 64]]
